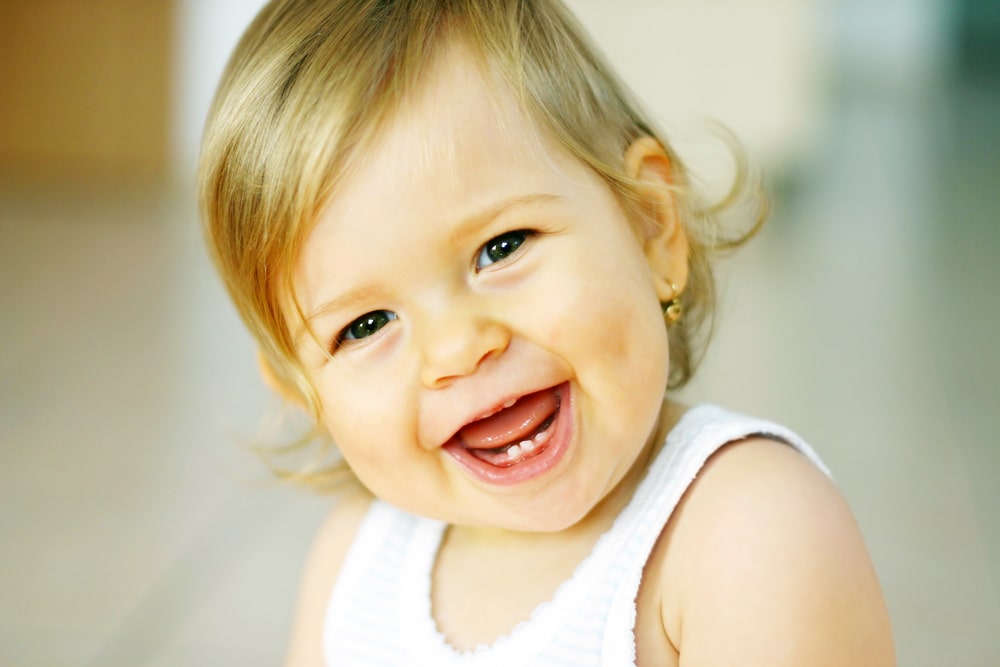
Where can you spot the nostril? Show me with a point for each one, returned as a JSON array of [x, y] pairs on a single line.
[[457, 349]]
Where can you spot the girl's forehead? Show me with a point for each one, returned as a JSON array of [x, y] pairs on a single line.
[[459, 107], [460, 145]]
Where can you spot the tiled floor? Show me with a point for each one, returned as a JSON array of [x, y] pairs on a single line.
[[135, 530]]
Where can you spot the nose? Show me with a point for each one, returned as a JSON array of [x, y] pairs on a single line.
[[457, 341]]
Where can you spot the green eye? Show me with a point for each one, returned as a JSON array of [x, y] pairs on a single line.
[[500, 248], [366, 325]]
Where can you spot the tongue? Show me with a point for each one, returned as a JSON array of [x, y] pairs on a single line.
[[511, 424]]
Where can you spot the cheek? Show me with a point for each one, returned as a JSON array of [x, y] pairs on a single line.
[[611, 298], [365, 431], [623, 323]]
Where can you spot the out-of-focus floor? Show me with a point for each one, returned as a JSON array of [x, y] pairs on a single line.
[[135, 530]]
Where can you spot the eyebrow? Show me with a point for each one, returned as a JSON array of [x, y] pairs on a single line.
[[463, 229], [475, 222], [337, 303]]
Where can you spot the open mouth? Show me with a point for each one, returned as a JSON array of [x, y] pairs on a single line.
[[522, 429], [519, 441]]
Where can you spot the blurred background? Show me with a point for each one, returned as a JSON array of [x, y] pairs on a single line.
[[136, 528]]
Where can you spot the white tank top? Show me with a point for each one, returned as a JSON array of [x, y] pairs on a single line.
[[380, 611]]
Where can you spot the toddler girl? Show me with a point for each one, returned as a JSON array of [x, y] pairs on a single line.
[[469, 256]]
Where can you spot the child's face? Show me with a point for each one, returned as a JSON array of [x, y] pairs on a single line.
[[466, 265]]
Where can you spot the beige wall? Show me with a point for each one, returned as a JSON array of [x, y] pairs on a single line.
[[757, 67], [84, 88]]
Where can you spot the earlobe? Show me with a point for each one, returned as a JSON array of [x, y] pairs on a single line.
[[665, 241]]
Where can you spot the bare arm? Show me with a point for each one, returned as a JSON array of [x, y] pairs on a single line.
[[322, 567], [767, 567]]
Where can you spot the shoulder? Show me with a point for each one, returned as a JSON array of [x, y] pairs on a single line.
[[764, 564], [325, 560]]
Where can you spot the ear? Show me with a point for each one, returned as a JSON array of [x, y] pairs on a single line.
[[275, 383], [665, 241]]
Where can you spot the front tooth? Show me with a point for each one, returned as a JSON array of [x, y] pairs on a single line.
[[527, 446], [543, 437], [514, 453], [510, 403]]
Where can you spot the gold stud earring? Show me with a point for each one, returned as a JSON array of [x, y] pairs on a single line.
[[672, 309]]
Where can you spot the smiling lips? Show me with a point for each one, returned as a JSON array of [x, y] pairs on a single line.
[[520, 441]]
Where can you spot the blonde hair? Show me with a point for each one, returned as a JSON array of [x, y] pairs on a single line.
[[312, 83]]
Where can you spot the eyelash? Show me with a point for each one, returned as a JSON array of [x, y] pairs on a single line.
[[374, 321], [497, 242]]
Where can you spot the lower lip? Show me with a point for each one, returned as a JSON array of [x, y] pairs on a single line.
[[542, 459]]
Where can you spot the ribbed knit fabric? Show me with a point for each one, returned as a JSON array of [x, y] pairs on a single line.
[[380, 610]]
